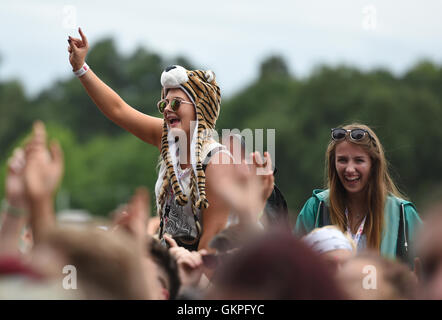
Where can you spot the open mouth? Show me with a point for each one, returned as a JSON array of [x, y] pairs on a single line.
[[173, 120], [352, 180]]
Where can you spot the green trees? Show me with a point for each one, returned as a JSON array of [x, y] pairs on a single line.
[[405, 112], [104, 164], [14, 118]]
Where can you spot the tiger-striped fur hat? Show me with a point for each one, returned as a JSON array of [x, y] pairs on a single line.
[[201, 88]]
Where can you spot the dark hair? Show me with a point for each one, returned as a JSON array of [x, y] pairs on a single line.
[[162, 258], [276, 266], [233, 237], [276, 210]]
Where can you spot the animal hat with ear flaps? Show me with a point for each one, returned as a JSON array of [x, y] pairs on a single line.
[[201, 88]]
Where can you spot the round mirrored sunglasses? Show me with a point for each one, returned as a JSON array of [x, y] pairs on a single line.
[[174, 104]]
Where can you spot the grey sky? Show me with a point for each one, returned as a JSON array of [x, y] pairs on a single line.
[[230, 37]]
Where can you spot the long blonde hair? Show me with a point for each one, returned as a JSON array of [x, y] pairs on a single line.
[[379, 186]]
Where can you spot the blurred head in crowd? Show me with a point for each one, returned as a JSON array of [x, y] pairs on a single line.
[[369, 276], [234, 237], [332, 245], [229, 241], [356, 167], [164, 270], [429, 251], [106, 264], [276, 266]]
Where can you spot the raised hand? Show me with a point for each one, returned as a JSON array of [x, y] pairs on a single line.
[[77, 49], [134, 216], [190, 263], [246, 189], [44, 168], [262, 173], [42, 174]]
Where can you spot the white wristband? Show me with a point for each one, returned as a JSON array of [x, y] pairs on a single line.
[[82, 70]]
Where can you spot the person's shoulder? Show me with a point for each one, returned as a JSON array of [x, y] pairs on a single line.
[[215, 153], [219, 158], [219, 164], [305, 221], [312, 203], [399, 202], [409, 208]]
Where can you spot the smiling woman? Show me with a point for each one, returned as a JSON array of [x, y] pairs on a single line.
[[190, 104], [361, 198]]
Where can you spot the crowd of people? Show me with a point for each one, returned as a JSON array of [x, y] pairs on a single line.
[[221, 227]]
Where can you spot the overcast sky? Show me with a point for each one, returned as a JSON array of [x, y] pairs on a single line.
[[231, 37]]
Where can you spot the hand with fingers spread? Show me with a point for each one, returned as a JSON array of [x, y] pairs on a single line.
[[77, 49], [44, 167], [190, 263], [246, 190]]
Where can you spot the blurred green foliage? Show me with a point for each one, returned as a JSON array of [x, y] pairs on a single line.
[[104, 164]]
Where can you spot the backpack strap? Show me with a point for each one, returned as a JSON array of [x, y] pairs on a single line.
[[322, 216], [211, 154], [325, 216]]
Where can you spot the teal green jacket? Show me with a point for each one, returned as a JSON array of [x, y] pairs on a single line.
[[308, 220]]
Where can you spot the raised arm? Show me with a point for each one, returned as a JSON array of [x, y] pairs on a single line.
[[42, 174], [145, 127], [215, 217], [15, 208]]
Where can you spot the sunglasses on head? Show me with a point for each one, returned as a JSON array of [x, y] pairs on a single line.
[[357, 134], [174, 104]]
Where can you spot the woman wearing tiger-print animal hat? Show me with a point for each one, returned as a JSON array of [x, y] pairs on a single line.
[[190, 104]]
